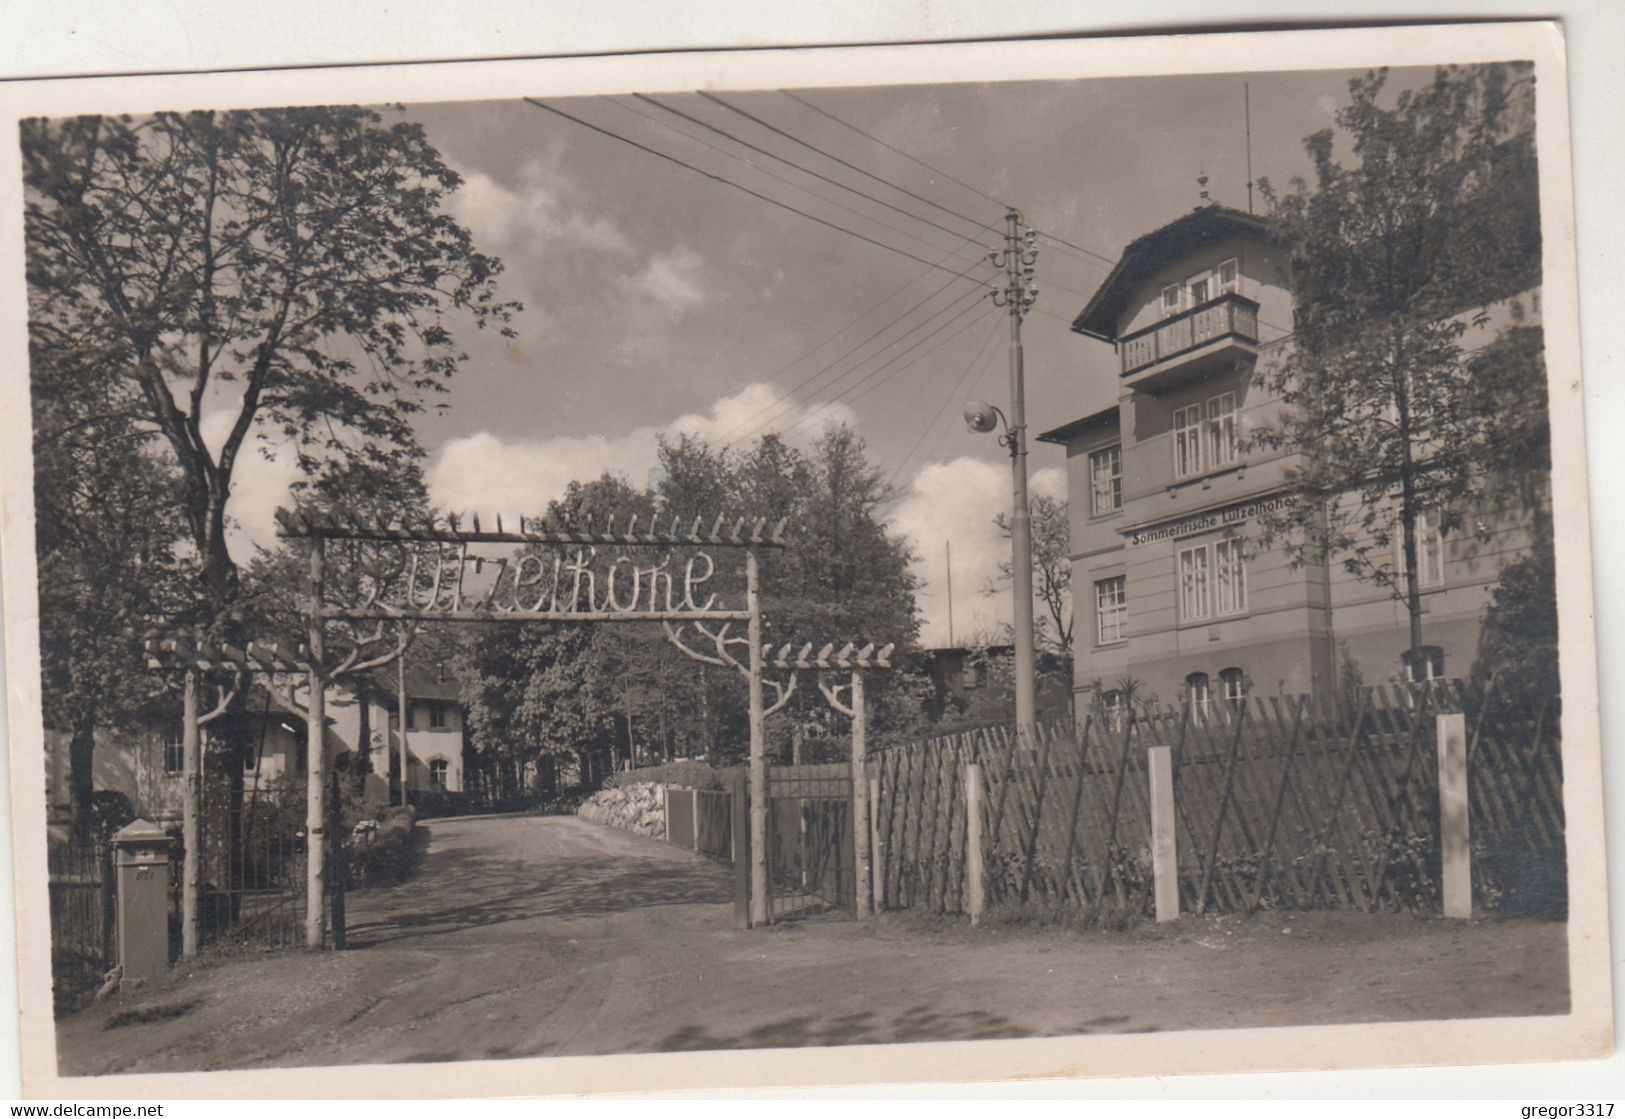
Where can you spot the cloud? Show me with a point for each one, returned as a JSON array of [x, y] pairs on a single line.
[[952, 505], [487, 474], [672, 280], [531, 216]]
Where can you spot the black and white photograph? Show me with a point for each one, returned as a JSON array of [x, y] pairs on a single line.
[[820, 567]]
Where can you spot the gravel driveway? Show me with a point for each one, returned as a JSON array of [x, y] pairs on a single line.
[[541, 936]]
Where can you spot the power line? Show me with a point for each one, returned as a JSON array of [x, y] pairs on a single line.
[[737, 186], [720, 150], [786, 404], [850, 393], [829, 155], [1079, 248], [894, 148], [746, 424], [968, 390], [799, 167], [946, 400], [934, 170]]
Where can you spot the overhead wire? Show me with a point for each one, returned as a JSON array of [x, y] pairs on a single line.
[[851, 393], [958, 387], [789, 396], [785, 405], [672, 128], [799, 167], [894, 148], [939, 171], [737, 186], [771, 127]]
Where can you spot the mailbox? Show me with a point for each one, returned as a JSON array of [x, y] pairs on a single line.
[[142, 854]]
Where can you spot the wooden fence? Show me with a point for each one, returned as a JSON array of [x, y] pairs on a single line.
[[699, 819], [1278, 803]]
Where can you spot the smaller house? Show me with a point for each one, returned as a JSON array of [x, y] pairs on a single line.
[[144, 765]]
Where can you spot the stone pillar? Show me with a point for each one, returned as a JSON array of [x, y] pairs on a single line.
[[142, 854]]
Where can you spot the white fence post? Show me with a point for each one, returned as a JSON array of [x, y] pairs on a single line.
[[1456, 857], [1164, 849], [975, 896]]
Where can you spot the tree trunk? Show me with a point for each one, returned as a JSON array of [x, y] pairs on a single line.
[[363, 746], [81, 772]]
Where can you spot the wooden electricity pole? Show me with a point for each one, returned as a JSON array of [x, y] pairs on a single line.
[[758, 750]]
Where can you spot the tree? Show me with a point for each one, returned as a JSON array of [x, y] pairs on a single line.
[[106, 529], [286, 272], [1394, 259], [1052, 569]]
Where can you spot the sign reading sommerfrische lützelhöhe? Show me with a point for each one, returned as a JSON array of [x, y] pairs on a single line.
[[1200, 522]]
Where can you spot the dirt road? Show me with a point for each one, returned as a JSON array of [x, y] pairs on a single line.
[[547, 936]]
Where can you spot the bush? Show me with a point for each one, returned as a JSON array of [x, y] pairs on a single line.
[[385, 852]]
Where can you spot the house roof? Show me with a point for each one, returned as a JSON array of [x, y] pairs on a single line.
[[1066, 432], [1146, 255], [423, 681]]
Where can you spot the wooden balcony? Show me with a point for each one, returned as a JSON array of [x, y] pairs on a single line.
[[1191, 342]]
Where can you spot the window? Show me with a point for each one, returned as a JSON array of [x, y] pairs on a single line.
[[1429, 550], [1221, 431], [1112, 709], [1205, 435], [1230, 575], [1199, 286], [1188, 441], [1197, 695], [174, 752], [437, 716], [1194, 600], [1430, 667], [251, 760], [1227, 277], [411, 716], [1111, 609], [1171, 299], [437, 773], [1106, 480], [1212, 580], [1234, 683]]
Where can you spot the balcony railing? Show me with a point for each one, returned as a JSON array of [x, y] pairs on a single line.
[[1229, 316]]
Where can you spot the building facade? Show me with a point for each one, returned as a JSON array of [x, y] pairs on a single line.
[[144, 765], [1177, 599]]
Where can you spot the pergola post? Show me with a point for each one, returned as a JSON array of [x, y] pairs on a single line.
[[316, 761], [191, 815]]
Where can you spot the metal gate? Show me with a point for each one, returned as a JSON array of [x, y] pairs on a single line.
[[810, 851]]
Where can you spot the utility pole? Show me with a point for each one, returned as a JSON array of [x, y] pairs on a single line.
[[948, 555], [1017, 260]]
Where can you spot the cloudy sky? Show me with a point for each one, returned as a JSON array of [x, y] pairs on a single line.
[[658, 300]]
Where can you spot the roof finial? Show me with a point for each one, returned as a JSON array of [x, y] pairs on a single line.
[[1201, 181]]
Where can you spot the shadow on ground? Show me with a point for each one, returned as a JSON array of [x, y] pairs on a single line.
[[872, 1027], [464, 889]]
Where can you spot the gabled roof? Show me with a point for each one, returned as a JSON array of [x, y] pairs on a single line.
[[423, 681], [1146, 255]]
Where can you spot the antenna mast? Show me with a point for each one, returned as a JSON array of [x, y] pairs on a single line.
[[948, 549]]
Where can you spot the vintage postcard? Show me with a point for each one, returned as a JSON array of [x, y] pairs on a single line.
[[793, 568]]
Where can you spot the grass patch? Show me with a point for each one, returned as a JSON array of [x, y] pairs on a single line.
[[155, 1012]]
